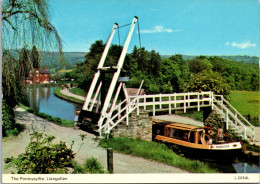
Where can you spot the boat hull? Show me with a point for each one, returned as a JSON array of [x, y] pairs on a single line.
[[225, 152]]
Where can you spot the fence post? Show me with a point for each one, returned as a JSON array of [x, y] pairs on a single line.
[[175, 99], [153, 106], [170, 105], [227, 119], [184, 103], [160, 101], [212, 100], [110, 160], [144, 101], [198, 102], [188, 99], [236, 117], [127, 115], [137, 106], [245, 136]]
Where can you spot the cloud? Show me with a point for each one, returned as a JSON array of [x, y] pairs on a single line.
[[159, 29], [243, 45], [153, 9]]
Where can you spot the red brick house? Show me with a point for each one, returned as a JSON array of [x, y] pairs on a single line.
[[38, 76]]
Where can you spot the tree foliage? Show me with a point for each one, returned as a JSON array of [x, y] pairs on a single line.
[[172, 74], [42, 156], [25, 26], [7, 118], [35, 57], [208, 81]]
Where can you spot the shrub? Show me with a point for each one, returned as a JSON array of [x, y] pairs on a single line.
[[13, 132], [8, 122], [42, 157], [93, 166], [78, 169]]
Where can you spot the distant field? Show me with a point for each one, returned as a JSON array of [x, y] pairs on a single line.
[[246, 102]]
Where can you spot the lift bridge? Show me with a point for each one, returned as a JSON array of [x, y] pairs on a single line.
[[107, 109]]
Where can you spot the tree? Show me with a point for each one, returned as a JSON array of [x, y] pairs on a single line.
[[184, 71], [154, 63], [35, 57], [208, 81], [24, 23], [170, 74], [199, 64]]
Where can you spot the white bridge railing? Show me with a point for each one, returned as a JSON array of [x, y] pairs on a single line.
[[160, 102], [234, 120], [183, 101]]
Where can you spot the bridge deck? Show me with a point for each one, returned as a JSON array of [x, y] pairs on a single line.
[[179, 119]]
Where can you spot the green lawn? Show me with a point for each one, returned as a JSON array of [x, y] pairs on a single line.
[[78, 91], [246, 102]]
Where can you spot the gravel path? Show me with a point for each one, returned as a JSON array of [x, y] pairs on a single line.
[[13, 146]]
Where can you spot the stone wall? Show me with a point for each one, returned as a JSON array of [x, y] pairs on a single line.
[[215, 121], [139, 127]]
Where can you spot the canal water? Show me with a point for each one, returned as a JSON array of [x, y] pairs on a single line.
[[43, 99]]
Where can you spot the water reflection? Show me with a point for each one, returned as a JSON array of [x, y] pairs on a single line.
[[244, 167], [43, 99]]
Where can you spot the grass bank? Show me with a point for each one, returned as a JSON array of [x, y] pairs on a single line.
[[68, 98], [155, 151], [56, 120], [78, 91], [247, 103]]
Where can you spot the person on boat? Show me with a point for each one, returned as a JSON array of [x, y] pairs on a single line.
[[208, 135], [220, 135]]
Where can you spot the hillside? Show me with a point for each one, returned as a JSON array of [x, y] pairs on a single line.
[[238, 58], [71, 58]]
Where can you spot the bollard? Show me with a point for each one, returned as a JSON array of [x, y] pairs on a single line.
[[110, 160]]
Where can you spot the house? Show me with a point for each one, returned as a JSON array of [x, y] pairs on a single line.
[[38, 76]]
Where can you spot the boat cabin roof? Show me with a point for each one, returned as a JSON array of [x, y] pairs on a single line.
[[182, 126]]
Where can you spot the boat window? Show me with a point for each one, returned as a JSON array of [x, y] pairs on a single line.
[[192, 136], [180, 134]]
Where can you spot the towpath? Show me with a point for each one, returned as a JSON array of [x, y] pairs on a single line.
[[13, 146], [68, 93]]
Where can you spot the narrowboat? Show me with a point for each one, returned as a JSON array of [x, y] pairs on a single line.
[[198, 142]]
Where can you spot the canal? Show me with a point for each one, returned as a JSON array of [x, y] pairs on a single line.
[[43, 99]]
